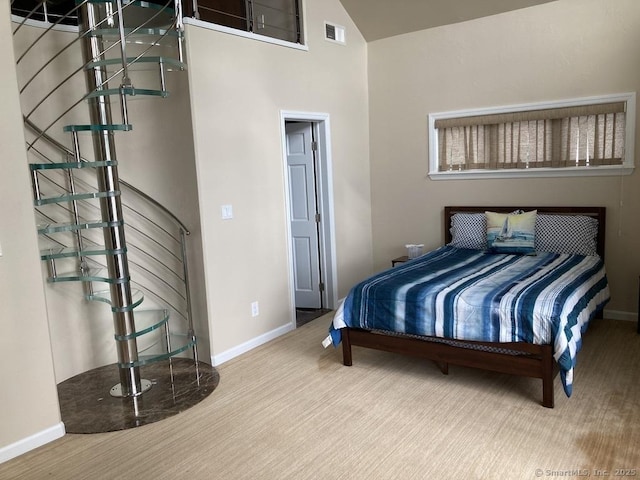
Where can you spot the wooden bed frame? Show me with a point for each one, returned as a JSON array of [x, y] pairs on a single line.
[[516, 358]]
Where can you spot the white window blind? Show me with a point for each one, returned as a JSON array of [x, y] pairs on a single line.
[[578, 137]]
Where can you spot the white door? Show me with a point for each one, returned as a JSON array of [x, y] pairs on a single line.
[[304, 214]]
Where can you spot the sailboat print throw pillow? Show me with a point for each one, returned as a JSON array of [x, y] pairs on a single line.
[[512, 233]]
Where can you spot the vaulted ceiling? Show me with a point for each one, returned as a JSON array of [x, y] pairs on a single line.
[[378, 19]]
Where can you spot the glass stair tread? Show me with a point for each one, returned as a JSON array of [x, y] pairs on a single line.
[[98, 128], [131, 91], [70, 165], [143, 36], [139, 3], [46, 228], [137, 297], [133, 31], [68, 252], [150, 14], [179, 344], [89, 275], [142, 63], [69, 197], [146, 321]]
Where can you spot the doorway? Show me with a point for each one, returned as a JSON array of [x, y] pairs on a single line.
[[309, 201]]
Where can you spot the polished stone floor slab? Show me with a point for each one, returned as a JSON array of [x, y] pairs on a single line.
[[87, 406]]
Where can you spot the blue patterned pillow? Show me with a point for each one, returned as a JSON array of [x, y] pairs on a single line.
[[511, 233], [469, 230], [575, 234]]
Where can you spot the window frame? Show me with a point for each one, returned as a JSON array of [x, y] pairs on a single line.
[[626, 168], [189, 19], [240, 33], [195, 22], [48, 17], [43, 23]]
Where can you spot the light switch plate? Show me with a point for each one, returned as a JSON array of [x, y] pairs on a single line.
[[227, 212]]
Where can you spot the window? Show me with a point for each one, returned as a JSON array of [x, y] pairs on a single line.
[[279, 19], [50, 11], [591, 136], [272, 19]]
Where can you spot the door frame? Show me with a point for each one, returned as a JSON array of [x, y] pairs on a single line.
[[320, 123]]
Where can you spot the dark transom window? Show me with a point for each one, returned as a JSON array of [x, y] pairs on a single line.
[[279, 19], [50, 11]]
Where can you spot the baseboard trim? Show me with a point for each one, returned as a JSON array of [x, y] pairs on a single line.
[[619, 315], [250, 345], [32, 442]]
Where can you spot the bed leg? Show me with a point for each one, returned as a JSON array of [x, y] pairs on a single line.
[[346, 348], [547, 376], [443, 366]]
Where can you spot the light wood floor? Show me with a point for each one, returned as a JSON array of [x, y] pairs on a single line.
[[291, 410]]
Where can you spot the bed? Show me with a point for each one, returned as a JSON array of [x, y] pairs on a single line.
[[472, 304]]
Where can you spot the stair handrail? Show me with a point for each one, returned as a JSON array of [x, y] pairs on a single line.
[[134, 189], [131, 225], [184, 231], [177, 24], [49, 28], [174, 25]]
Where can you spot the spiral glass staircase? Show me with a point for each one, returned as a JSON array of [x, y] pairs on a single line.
[[127, 250]]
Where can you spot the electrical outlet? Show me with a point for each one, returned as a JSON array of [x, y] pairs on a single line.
[[255, 310]]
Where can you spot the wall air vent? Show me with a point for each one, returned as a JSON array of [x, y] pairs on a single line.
[[334, 33]]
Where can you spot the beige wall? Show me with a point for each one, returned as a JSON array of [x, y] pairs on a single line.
[[238, 88], [559, 50], [28, 395]]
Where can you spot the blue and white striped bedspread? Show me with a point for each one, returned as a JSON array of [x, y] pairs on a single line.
[[473, 295]]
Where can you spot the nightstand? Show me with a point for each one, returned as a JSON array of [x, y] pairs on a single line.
[[401, 259]]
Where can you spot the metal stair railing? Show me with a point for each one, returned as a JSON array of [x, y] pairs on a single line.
[[179, 236], [125, 62], [147, 228]]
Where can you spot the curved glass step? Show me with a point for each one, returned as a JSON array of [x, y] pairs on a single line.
[[142, 36], [137, 12], [91, 275], [142, 63], [146, 321], [179, 344], [67, 252], [98, 128], [69, 197], [48, 228], [131, 91], [137, 297], [158, 5], [69, 165]]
